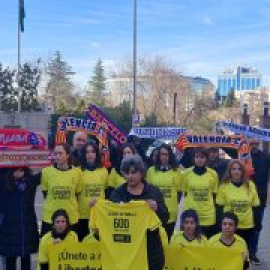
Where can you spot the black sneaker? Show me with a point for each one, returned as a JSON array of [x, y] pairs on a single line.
[[254, 259]]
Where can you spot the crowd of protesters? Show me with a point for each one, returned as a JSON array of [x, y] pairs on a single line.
[[222, 206]]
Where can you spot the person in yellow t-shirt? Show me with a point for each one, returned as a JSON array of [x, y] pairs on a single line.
[[94, 180], [190, 232], [60, 232], [228, 238], [137, 189], [60, 185], [237, 194], [167, 177], [116, 178], [200, 185]]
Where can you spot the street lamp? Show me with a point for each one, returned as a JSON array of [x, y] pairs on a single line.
[[134, 61]]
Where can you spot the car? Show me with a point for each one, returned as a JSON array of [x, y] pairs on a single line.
[[155, 145]]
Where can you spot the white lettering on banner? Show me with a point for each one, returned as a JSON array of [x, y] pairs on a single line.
[[157, 132], [249, 131], [4, 139]]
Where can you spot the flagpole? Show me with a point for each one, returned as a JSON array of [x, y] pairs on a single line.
[[19, 55], [134, 59]]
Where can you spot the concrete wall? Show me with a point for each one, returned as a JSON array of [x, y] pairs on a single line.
[[35, 121]]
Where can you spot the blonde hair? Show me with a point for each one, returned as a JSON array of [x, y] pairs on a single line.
[[228, 175]]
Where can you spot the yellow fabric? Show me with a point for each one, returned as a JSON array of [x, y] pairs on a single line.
[[46, 244], [202, 258], [90, 238], [164, 237], [169, 184], [75, 256], [122, 231], [115, 179], [239, 244], [200, 190], [93, 184], [240, 201], [61, 188], [178, 238]]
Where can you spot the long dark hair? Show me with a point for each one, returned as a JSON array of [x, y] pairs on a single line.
[[190, 213], [98, 163], [10, 180], [67, 149], [172, 160], [60, 213], [131, 146]]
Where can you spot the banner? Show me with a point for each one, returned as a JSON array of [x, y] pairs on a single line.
[[87, 256], [79, 256], [202, 258], [20, 139], [248, 131], [37, 159], [231, 141], [157, 132], [113, 130]]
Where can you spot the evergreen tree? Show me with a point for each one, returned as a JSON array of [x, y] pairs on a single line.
[[29, 81], [60, 84], [230, 99], [8, 92], [96, 87], [28, 84]]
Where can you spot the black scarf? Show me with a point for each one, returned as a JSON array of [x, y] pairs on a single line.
[[199, 170], [61, 236]]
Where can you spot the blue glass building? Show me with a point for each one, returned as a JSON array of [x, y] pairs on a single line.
[[241, 79]]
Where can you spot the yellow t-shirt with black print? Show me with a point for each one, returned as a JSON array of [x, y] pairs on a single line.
[[122, 232], [240, 201], [61, 188], [47, 241], [169, 183], [199, 190], [93, 185]]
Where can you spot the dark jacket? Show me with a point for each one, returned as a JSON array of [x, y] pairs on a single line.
[[18, 229], [155, 254], [261, 165], [220, 166], [76, 158]]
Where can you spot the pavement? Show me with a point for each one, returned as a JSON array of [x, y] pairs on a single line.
[[264, 244]]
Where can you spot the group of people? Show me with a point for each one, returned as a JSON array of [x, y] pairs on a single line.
[[222, 206]]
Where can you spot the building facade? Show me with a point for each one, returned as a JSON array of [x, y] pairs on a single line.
[[239, 79]]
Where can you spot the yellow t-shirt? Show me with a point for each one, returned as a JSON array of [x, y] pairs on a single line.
[[169, 184], [61, 188], [122, 231], [90, 238], [46, 243], [164, 237], [199, 191], [240, 201], [93, 185], [115, 179], [178, 238], [239, 243]]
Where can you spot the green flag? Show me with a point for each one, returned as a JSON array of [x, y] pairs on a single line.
[[22, 15]]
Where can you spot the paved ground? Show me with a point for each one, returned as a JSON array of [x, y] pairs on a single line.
[[264, 244]]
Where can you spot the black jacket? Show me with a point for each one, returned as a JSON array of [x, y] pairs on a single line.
[[261, 165], [18, 229], [155, 254]]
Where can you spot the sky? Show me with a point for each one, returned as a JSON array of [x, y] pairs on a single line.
[[200, 37]]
